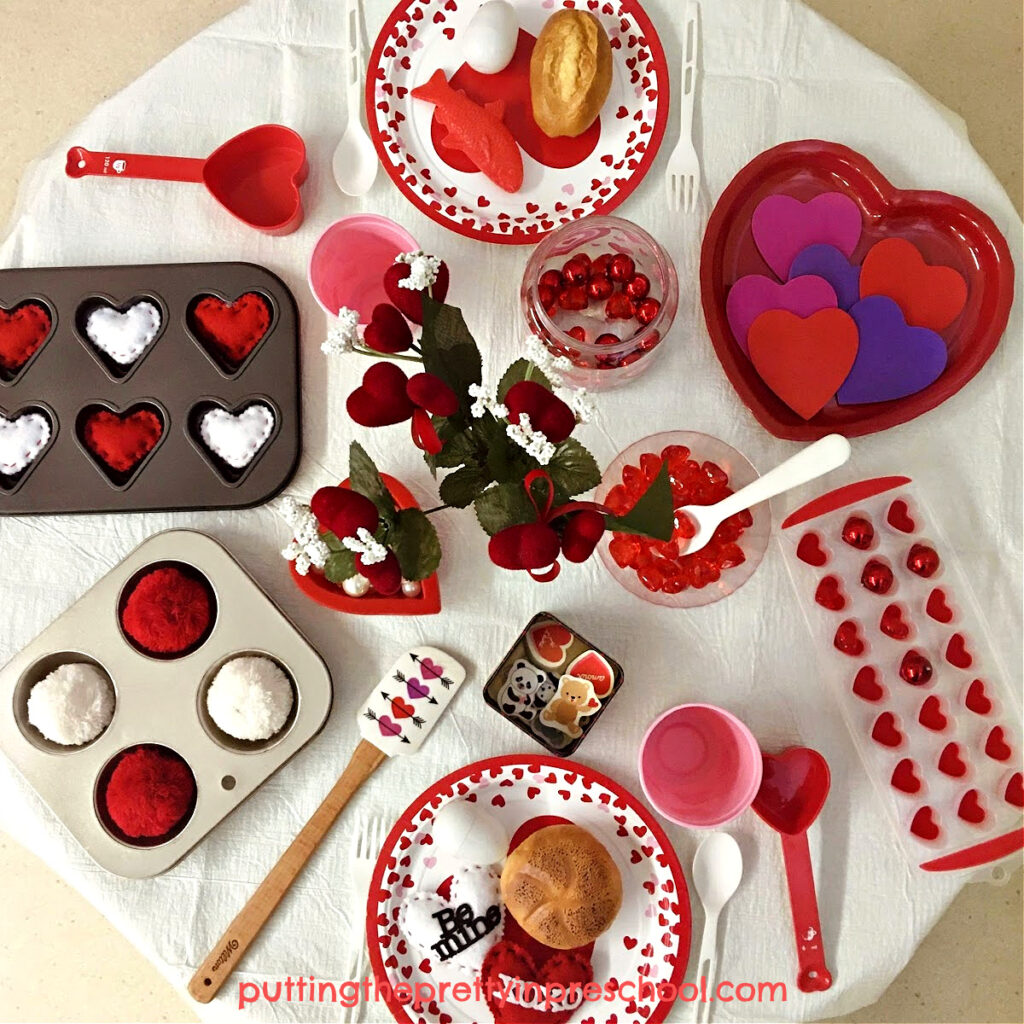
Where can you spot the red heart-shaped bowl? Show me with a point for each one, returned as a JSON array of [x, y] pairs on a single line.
[[947, 230]]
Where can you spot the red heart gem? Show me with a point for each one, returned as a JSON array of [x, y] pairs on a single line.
[[867, 686], [388, 331], [885, 730], [925, 826], [957, 653], [229, 331], [951, 763], [410, 302], [905, 777], [937, 607], [932, 716], [915, 668], [858, 533], [120, 441], [803, 360], [809, 550], [877, 577], [977, 700], [971, 808], [898, 517], [923, 560], [1015, 790], [22, 330], [509, 973], [929, 296], [848, 639], [893, 624], [829, 594], [996, 746]]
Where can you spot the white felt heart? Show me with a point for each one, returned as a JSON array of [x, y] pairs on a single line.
[[236, 437], [445, 932], [123, 336], [21, 440]]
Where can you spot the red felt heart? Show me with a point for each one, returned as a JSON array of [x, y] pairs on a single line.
[[583, 530], [388, 331], [848, 639], [977, 700], [932, 716], [22, 330], [867, 686], [343, 511], [385, 576], [510, 978], [885, 730], [971, 808], [794, 787], [957, 653], [996, 746], [120, 441], [929, 296], [893, 623], [408, 301], [809, 550], [905, 777], [381, 399], [547, 412], [898, 517], [526, 546], [925, 826], [937, 607], [1015, 790], [945, 229], [548, 643], [803, 360], [829, 594], [951, 763], [229, 331]]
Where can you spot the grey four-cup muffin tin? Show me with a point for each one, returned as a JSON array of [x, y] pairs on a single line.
[[177, 376], [161, 700]]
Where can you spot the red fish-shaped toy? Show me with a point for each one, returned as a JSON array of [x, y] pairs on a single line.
[[478, 131]]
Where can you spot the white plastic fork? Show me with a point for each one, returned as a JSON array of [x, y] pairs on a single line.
[[366, 847], [682, 176]]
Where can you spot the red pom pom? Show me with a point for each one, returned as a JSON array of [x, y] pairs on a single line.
[[547, 412], [381, 399], [433, 394], [150, 790], [408, 301], [385, 577], [528, 546], [344, 511], [582, 532], [167, 612], [387, 331]]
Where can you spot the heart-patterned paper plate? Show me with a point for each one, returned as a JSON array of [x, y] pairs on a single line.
[[565, 179], [947, 230], [650, 937]]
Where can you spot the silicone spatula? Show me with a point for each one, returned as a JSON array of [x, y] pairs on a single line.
[[394, 719]]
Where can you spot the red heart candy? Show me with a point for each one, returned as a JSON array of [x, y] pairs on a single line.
[[229, 331], [893, 624], [971, 808], [344, 511], [583, 530], [1015, 790], [951, 763], [877, 577], [408, 301], [830, 594], [923, 560], [858, 533], [977, 700], [22, 330], [848, 639], [803, 360], [898, 517], [925, 826], [381, 399], [957, 653], [937, 607], [932, 716], [929, 296], [547, 412], [548, 643], [509, 974], [905, 777], [809, 550], [388, 331], [867, 686], [885, 730], [120, 441], [915, 668], [996, 746]]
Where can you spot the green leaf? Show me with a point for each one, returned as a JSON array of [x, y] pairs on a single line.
[[364, 478], [573, 470], [521, 369], [457, 450], [462, 487], [340, 566], [415, 544], [504, 505], [652, 515], [449, 351]]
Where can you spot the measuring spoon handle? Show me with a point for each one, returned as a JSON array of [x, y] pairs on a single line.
[[81, 161], [814, 976]]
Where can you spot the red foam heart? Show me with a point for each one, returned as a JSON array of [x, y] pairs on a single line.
[[803, 360], [886, 731], [925, 824], [898, 517], [229, 331], [381, 399], [957, 653], [809, 550], [867, 686], [929, 296], [509, 970], [996, 746], [905, 777], [830, 594], [848, 639], [22, 330], [893, 623], [951, 763], [977, 700], [1015, 790], [932, 716], [120, 441], [945, 229], [937, 607], [971, 808]]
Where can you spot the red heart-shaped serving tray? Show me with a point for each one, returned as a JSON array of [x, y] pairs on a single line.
[[946, 229]]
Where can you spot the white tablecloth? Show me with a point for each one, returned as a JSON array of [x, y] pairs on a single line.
[[772, 71]]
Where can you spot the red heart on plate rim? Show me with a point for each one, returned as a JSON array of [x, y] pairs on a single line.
[[947, 230], [119, 441], [229, 331]]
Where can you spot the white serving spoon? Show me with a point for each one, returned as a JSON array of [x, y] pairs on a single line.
[[717, 870], [355, 160], [813, 461]]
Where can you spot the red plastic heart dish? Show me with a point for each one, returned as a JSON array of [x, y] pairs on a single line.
[[316, 586], [947, 231]]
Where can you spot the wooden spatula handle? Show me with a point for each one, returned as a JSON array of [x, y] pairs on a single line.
[[227, 954]]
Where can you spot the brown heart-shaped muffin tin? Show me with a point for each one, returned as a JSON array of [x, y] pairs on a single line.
[[178, 377]]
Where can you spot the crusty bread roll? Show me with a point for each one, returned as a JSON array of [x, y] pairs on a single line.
[[562, 886], [570, 73]]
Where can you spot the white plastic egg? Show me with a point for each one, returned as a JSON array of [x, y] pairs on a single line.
[[491, 37], [469, 833]]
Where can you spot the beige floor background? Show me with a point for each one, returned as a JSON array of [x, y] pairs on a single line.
[[59, 959]]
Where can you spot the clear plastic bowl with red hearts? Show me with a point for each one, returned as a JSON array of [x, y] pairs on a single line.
[[602, 293], [702, 470]]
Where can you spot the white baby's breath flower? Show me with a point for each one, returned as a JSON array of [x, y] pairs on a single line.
[[423, 270], [302, 564], [364, 543], [306, 549], [342, 337], [485, 401], [582, 404], [552, 366], [533, 441]]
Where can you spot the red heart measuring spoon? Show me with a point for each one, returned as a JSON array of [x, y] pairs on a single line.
[[794, 787], [255, 176]]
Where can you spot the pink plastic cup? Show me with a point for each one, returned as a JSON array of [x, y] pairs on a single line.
[[699, 766]]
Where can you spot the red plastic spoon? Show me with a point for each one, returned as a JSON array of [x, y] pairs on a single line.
[[794, 787], [255, 176]]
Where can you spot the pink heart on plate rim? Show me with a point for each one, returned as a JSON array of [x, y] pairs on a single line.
[[755, 294]]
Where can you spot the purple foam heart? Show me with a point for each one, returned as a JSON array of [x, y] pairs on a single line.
[[754, 294], [783, 227], [894, 360], [828, 262]]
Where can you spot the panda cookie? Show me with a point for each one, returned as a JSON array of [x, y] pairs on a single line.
[[526, 690]]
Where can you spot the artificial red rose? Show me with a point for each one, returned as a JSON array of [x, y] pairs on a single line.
[[583, 530], [385, 577], [344, 511], [381, 399], [408, 301], [547, 412], [387, 330], [526, 546]]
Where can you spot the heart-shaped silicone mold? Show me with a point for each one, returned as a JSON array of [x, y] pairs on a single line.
[[971, 809], [977, 700], [957, 653], [230, 331], [899, 517], [121, 442], [24, 328], [926, 825], [996, 746], [811, 551], [119, 336], [232, 440], [951, 761], [25, 435], [894, 622], [946, 230], [867, 686], [905, 777], [937, 608], [886, 730], [829, 594], [848, 639], [932, 715]]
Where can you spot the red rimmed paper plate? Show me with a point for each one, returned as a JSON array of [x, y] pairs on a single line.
[[649, 939], [565, 179], [946, 229]]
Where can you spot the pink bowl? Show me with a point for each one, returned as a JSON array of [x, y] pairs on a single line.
[[699, 766]]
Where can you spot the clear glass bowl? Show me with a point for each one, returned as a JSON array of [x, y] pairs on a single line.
[[753, 541], [601, 366]]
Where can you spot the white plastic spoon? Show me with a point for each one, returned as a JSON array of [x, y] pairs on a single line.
[[813, 461], [355, 160], [717, 871]]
